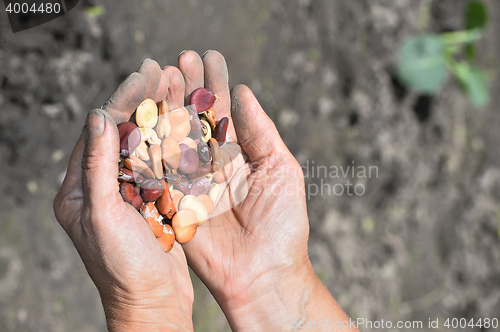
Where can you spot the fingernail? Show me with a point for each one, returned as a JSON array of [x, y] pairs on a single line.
[[205, 53], [182, 53], [95, 124]]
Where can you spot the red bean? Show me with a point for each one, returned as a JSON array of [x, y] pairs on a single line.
[[130, 138], [172, 178], [195, 124], [130, 195], [202, 99], [125, 175], [189, 159], [200, 186], [151, 190], [200, 172], [220, 130], [183, 186]]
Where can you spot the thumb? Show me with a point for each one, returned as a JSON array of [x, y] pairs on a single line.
[[100, 161], [256, 132]]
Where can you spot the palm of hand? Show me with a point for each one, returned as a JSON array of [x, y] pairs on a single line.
[[268, 230], [131, 250], [260, 222], [116, 245]]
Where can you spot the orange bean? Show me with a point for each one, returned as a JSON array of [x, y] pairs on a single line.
[[167, 238], [184, 224], [165, 203], [207, 201], [152, 217], [176, 196]]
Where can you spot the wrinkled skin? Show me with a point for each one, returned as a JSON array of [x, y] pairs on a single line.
[[251, 254], [137, 281], [244, 249]]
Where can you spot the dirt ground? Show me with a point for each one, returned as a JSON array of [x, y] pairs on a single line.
[[422, 241]]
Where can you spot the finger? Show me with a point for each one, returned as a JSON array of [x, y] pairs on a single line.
[[256, 132], [70, 197], [161, 92], [123, 102], [217, 79], [73, 178], [176, 87], [100, 162], [191, 67], [152, 73]]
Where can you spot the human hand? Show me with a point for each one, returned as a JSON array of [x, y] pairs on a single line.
[[253, 255], [141, 287]]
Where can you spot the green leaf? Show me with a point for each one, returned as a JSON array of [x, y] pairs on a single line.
[[453, 49], [470, 51], [421, 63], [476, 15], [473, 81], [477, 88], [95, 11]]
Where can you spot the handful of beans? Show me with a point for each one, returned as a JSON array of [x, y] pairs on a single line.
[[171, 164]]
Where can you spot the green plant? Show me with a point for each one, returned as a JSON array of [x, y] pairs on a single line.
[[425, 60], [95, 11]]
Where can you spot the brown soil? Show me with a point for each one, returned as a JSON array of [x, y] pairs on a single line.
[[422, 242]]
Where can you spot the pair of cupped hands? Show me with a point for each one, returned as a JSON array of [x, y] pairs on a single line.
[[253, 257]]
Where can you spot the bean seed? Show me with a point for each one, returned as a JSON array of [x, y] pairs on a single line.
[[202, 99], [200, 186], [162, 107], [125, 175], [155, 227], [138, 166], [163, 127], [142, 151], [130, 137], [146, 114], [172, 178], [171, 152], [204, 153], [183, 185], [186, 149], [149, 135], [189, 142], [151, 190], [209, 115], [176, 197], [216, 155], [167, 239], [213, 193], [226, 172], [180, 123], [195, 123], [189, 160], [184, 224], [130, 195], [165, 204], [153, 218], [205, 130], [200, 172], [221, 130], [207, 202], [190, 202], [155, 155]]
